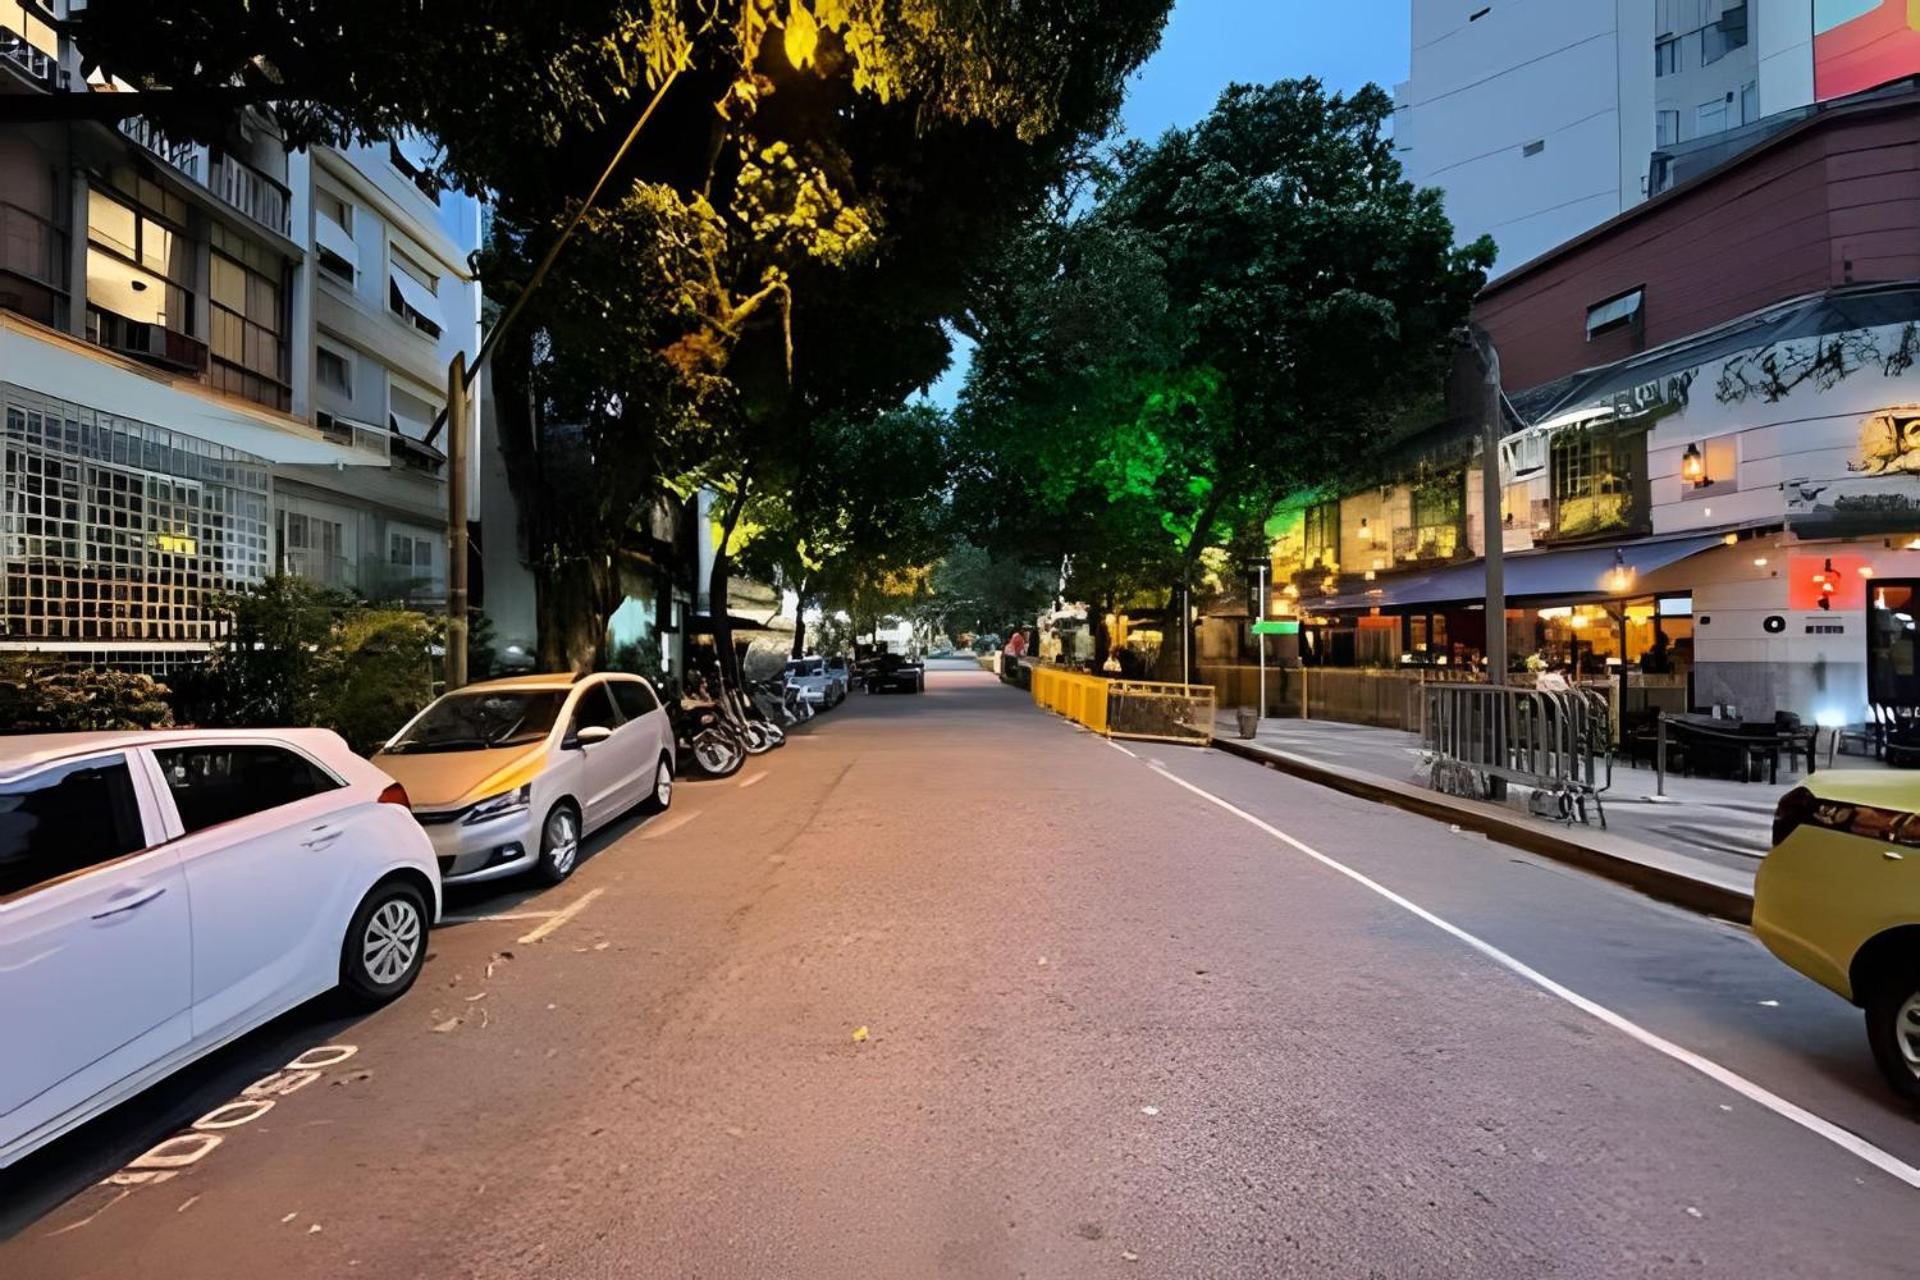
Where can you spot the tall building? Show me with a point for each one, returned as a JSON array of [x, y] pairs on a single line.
[[1541, 120], [217, 361]]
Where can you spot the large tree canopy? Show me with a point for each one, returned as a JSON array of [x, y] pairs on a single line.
[[1233, 313]]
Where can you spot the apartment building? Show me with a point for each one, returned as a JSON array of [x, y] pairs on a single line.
[[205, 377], [1541, 120]]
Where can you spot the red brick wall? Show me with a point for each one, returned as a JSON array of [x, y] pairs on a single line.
[[1836, 200]]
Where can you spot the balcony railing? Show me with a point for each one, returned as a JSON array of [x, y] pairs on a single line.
[[37, 64], [183, 154], [237, 183], [354, 435], [152, 343], [253, 193]]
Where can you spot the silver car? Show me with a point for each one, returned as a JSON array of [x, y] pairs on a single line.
[[510, 775], [814, 683]]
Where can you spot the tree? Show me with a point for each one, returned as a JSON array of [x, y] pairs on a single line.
[[1273, 290]]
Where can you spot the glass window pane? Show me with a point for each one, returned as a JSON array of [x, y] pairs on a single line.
[[66, 819], [218, 784], [263, 302], [229, 283], [111, 223]]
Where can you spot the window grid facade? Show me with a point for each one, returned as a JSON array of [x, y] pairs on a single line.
[[117, 530]]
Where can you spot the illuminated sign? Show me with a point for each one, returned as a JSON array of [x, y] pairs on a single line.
[[1858, 44]]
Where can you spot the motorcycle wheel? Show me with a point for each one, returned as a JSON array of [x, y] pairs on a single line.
[[754, 737], [775, 732], [717, 754]]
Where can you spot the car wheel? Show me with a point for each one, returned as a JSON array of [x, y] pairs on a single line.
[[559, 843], [660, 799], [386, 944], [1893, 1029]]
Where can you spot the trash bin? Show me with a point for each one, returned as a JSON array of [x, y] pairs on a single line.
[[1249, 720]]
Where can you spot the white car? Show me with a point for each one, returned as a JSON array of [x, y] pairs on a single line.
[[814, 682], [163, 892], [508, 776]]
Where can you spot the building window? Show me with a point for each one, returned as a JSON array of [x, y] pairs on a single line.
[[314, 548], [1592, 482], [33, 238], [1718, 39], [1893, 652], [1321, 535], [140, 278], [1666, 57], [412, 294], [116, 530], [404, 551], [1439, 508], [333, 371], [333, 246], [249, 321], [1711, 117], [1619, 312], [1666, 128], [1749, 102]]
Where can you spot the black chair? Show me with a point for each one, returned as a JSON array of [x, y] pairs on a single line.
[[1796, 740]]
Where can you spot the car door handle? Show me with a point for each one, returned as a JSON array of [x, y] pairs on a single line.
[[322, 837], [132, 905]]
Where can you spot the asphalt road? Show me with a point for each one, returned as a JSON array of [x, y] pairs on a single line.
[[1158, 1012]]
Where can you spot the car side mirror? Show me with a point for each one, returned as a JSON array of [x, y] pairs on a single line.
[[593, 733]]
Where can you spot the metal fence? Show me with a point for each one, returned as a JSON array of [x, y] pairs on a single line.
[[1556, 743]]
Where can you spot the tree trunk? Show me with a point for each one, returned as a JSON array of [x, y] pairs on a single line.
[[730, 673], [1178, 639], [574, 604], [799, 621], [1102, 638]]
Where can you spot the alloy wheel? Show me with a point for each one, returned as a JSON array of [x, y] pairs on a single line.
[[392, 941], [563, 840], [1906, 1032], [663, 785]]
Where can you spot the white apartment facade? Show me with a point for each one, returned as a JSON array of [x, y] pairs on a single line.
[[193, 393], [1541, 119]]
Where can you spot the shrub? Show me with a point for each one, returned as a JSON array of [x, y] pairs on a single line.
[[378, 671], [40, 695]]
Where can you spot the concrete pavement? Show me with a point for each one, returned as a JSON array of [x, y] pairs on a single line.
[[1157, 1012]]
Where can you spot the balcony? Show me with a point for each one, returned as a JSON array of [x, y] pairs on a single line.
[[150, 343], [35, 64], [354, 435], [237, 184], [253, 193]]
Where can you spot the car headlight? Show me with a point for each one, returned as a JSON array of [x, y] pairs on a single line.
[[500, 806]]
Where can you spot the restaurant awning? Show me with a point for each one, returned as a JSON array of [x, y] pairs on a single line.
[[1570, 574]]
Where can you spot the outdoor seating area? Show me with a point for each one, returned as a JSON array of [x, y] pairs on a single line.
[[1693, 745]]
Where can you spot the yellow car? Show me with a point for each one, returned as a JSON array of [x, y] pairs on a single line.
[[1839, 900]]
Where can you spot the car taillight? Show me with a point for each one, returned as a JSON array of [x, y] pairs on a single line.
[[394, 793], [1794, 808]]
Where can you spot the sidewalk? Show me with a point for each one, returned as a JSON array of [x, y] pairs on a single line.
[[1700, 847]]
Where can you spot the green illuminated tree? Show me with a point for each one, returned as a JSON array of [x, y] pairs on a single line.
[[1228, 318]]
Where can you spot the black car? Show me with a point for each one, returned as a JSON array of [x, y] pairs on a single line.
[[893, 671]]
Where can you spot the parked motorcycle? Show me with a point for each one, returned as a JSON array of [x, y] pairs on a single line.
[[703, 736]]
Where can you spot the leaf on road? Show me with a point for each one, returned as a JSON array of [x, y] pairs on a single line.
[[859, 1035], [448, 1025]]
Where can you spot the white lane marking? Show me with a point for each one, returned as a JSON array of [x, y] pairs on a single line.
[[660, 827], [1746, 1088], [751, 779], [561, 916], [504, 915]]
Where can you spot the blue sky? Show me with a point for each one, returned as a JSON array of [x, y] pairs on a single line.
[[1211, 43]]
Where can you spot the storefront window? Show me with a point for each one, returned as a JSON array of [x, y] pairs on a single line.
[[1592, 482], [1893, 674]]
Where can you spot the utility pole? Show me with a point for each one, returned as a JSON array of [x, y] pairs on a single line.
[[1260, 643], [1493, 538], [1493, 527], [457, 521]]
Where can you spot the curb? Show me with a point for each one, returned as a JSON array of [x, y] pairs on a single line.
[[1638, 866]]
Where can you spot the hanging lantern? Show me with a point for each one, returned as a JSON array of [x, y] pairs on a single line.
[[1693, 467]]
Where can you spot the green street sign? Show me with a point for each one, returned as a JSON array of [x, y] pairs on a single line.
[[1277, 627]]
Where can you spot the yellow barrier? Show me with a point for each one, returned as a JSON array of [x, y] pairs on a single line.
[[1077, 696]]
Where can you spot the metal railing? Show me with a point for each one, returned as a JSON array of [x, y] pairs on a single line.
[[184, 154], [253, 193], [1555, 742], [15, 48]]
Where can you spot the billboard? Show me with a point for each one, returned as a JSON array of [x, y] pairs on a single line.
[[1858, 44]]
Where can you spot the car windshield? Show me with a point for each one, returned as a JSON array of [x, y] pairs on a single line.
[[476, 721], [806, 667]]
